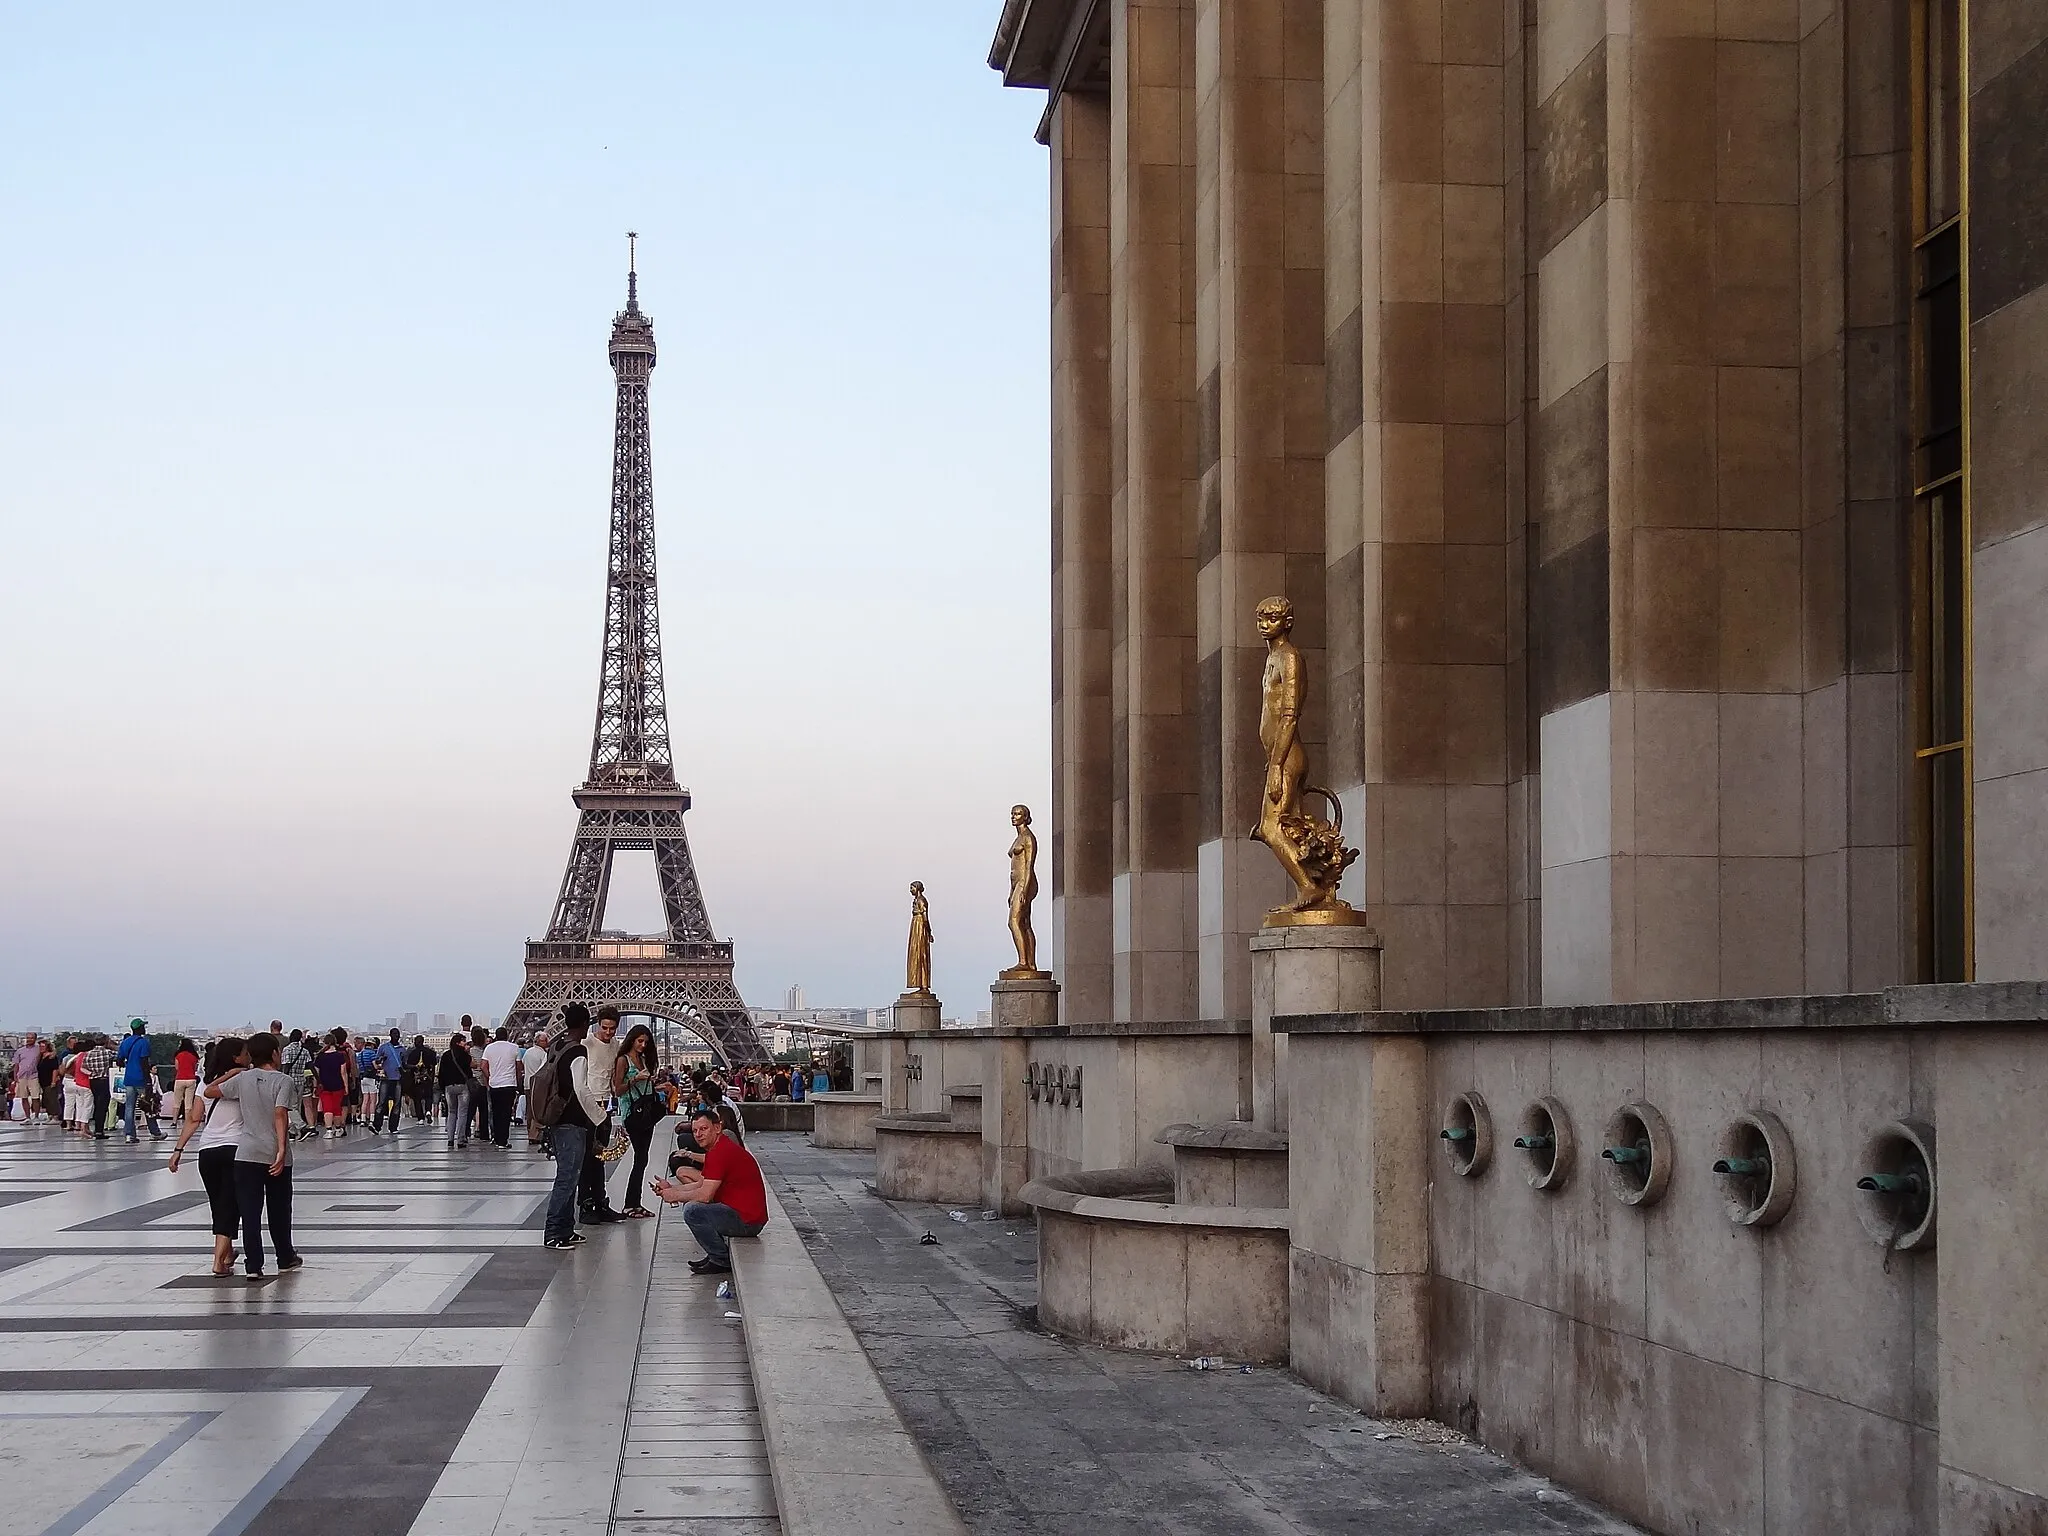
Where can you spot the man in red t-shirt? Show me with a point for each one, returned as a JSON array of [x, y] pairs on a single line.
[[725, 1201]]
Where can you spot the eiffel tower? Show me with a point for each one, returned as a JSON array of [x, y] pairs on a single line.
[[631, 799]]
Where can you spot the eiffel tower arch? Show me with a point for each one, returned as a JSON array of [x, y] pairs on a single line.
[[630, 801]]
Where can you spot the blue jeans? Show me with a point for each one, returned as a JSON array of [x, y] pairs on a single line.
[[567, 1142], [387, 1101], [130, 1096], [713, 1225]]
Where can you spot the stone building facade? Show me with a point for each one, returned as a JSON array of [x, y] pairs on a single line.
[[1643, 402]]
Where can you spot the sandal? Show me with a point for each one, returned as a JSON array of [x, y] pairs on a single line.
[[638, 1213]]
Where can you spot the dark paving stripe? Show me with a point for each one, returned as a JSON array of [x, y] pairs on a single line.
[[376, 1468], [505, 1291], [136, 1217], [502, 1294]]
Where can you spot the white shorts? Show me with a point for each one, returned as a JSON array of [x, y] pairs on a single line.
[[77, 1102]]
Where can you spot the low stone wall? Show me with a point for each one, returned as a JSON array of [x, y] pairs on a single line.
[[1120, 1264], [777, 1116], [1763, 1348], [845, 1120], [928, 1157], [1099, 1094]]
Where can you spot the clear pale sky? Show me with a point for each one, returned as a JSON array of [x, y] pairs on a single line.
[[305, 437]]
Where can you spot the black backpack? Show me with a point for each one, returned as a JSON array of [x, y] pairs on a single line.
[[547, 1094]]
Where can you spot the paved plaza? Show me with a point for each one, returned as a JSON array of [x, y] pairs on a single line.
[[1032, 1434], [432, 1369]]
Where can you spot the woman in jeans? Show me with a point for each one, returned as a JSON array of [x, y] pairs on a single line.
[[640, 1107], [217, 1123], [457, 1077]]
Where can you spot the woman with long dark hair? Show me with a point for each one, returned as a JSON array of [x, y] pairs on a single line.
[[218, 1123], [640, 1107], [458, 1081]]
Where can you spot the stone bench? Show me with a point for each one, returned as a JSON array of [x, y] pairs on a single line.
[[1120, 1263]]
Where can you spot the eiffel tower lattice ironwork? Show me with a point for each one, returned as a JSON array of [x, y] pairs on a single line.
[[631, 800]]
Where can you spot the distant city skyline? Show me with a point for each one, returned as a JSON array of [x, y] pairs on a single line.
[[304, 454]]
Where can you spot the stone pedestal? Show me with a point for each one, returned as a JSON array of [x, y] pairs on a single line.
[[1013, 1005], [1303, 970], [916, 1010], [913, 1011]]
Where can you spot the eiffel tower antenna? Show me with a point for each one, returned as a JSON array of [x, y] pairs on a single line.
[[630, 798]]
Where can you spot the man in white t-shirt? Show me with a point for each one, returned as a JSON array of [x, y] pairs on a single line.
[[502, 1070], [601, 1049], [535, 1058]]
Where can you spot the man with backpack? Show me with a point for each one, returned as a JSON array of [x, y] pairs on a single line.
[[558, 1099], [135, 1079]]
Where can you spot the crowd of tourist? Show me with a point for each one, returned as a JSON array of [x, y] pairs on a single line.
[[585, 1095]]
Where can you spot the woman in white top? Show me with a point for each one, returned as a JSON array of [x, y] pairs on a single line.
[[217, 1123]]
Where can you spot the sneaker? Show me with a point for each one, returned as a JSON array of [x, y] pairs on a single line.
[[294, 1262], [558, 1242], [257, 1278], [710, 1267], [575, 1240]]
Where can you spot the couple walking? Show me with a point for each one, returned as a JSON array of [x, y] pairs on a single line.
[[242, 1122]]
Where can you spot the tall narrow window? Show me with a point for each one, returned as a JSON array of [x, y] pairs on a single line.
[[1941, 531]]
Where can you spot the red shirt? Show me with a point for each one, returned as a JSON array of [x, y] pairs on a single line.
[[188, 1067], [739, 1180]]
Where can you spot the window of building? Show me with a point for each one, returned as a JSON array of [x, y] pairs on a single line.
[[1941, 525]]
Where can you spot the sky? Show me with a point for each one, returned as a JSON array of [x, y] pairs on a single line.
[[305, 449]]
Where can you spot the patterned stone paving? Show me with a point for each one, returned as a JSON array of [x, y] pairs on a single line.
[[431, 1370]]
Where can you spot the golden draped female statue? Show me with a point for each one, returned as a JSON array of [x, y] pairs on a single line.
[[917, 967], [1310, 849]]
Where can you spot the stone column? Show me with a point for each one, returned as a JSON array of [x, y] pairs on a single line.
[[1079, 938], [1014, 1007], [1152, 632], [1421, 319], [1303, 970], [1259, 360], [1699, 745]]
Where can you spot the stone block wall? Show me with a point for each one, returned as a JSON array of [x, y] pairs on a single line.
[[1692, 1373]]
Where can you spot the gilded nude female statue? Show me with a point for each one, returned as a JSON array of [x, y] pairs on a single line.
[[917, 969], [1309, 849], [1023, 891]]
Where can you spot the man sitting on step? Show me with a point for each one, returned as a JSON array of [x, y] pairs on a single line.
[[725, 1201]]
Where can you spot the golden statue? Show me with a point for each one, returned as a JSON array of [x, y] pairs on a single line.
[[1023, 891], [917, 969], [1310, 849]]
